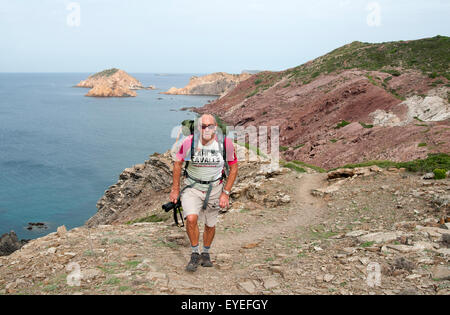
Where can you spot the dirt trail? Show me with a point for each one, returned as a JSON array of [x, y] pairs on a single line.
[[304, 211]]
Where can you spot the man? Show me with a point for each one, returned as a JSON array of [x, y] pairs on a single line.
[[205, 191]]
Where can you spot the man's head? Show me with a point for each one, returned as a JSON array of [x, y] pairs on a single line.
[[207, 125]]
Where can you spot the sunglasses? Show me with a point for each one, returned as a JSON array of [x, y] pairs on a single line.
[[209, 127]]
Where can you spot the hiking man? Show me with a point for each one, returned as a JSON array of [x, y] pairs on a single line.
[[204, 192]]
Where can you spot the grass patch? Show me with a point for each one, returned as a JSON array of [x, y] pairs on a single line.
[[132, 263], [367, 244], [124, 288], [319, 232], [164, 243], [294, 167], [433, 161], [112, 281], [422, 144], [118, 241], [51, 288], [316, 168], [342, 124], [365, 125], [150, 218]]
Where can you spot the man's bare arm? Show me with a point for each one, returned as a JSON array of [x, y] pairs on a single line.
[[177, 166], [232, 176], [224, 199]]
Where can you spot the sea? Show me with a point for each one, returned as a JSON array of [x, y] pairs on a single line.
[[60, 150]]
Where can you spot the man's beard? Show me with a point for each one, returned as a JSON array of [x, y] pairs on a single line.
[[207, 136]]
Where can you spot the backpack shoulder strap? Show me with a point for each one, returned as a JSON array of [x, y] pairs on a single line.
[[192, 155], [224, 155]]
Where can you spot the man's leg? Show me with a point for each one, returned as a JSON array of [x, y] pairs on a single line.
[[193, 233], [191, 203], [211, 215], [208, 235], [192, 229]]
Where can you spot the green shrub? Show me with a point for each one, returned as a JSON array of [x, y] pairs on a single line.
[[440, 173]]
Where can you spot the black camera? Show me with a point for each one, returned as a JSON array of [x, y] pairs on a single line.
[[170, 206], [177, 211]]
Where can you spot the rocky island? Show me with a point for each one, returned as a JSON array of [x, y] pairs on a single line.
[[112, 83], [217, 84]]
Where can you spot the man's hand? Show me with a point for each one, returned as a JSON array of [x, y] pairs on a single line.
[[174, 195], [224, 200]]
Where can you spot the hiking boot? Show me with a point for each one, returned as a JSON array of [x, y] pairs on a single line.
[[193, 263], [206, 260]]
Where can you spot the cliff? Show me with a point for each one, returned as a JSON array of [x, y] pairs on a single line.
[[111, 83], [360, 102], [218, 83]]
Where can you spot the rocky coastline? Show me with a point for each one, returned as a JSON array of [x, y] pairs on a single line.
[[215, 84]]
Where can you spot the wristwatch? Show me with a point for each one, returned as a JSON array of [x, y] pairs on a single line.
[[226, 192]]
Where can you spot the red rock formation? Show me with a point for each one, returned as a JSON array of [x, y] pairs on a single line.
[[308, 114]]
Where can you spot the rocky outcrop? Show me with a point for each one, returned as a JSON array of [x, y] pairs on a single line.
[[219, 83], [425, 108], [138, 189], [111, 83], [9, 243]]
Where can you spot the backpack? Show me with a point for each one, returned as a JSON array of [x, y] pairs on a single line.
[[189, 129]]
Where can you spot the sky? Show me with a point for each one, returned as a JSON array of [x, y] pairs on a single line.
[[200, 36]]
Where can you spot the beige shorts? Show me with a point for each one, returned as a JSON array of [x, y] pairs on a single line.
[[192, 203]]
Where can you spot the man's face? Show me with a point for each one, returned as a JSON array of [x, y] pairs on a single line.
[[207, 127]]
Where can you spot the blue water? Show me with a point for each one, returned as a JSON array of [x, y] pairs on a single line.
[[60, 150]]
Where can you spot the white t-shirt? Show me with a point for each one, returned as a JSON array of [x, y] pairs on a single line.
[[207, 162]]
